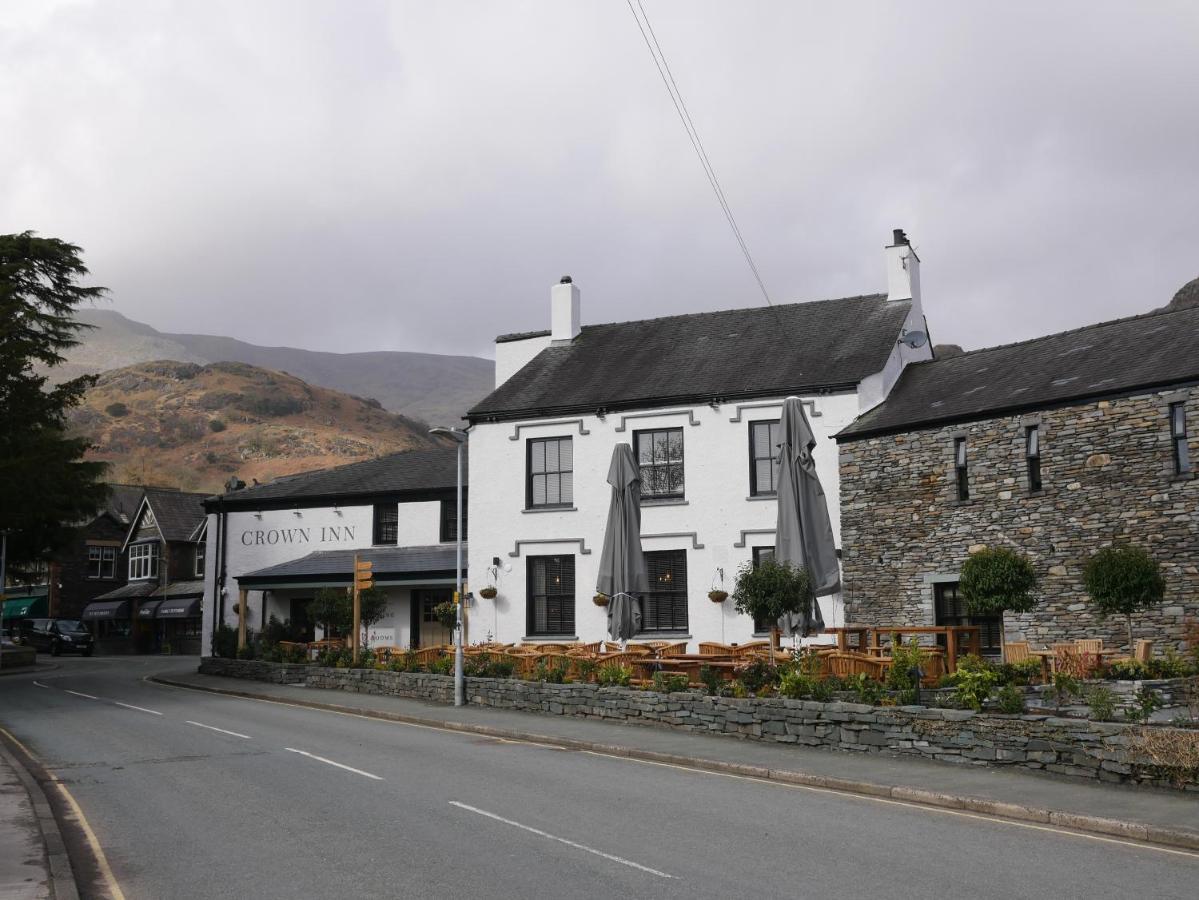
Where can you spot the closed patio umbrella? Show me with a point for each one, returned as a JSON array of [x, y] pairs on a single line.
[[804, 534], [622, 571]]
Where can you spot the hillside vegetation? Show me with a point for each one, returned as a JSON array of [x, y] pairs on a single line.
[[193, 426]]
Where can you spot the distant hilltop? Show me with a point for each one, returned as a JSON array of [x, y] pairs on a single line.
[[428, 387]]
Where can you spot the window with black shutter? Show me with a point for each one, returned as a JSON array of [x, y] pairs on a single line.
[[760, 555], [1032, 453], [960, 470], [1178, 434], [664, 605], [449, 520], [660, 457], [950, 609], [764, 440], [551, 595], [550, 468], [387, 523]]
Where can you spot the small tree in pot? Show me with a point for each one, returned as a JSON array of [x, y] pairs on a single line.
[[769, 591], [1123, 580], [332, 610], [996, 580], [372, 607]]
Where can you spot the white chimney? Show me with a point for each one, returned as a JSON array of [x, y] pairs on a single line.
[[564, 311], [903, 269]]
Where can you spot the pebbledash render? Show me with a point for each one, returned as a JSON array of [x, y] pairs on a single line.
[[696, 397], [1054, 447]]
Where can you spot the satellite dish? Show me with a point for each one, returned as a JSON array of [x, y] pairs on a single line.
[[913, 339]]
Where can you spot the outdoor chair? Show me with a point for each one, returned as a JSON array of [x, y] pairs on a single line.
[[754, 648], [676, 649], [845, 664], [1142, 652], [426, 655], [711, 648], [1016, 652], [628, 660], [1089, 645]]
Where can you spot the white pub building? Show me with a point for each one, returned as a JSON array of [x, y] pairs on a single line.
[[698, 397], [284, 540]]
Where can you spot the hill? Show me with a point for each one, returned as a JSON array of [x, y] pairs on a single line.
[[192, 426], [429, 387]]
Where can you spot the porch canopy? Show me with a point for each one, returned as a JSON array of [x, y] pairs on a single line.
[[105, 609], [22, 607], [147, 609], [131, 591], [332, 568]]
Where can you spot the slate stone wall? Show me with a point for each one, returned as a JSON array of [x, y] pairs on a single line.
[[1074, 747], [1108, 478]]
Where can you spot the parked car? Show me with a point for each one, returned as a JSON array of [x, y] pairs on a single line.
[[56, 636]]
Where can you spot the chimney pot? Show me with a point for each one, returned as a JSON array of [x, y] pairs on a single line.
[[565, 279], [898, 237], [564, 311], [903, 269]]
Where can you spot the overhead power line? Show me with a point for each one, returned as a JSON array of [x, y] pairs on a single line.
[[676, 97]]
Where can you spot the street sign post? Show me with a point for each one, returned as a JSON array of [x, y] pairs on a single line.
[[363, 581]]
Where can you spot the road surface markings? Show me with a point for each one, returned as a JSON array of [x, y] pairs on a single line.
[[152, 712], [39, 684], [920, 807], [561, 840], [114, 887], [332, 763], [78, 694], [221, 730]]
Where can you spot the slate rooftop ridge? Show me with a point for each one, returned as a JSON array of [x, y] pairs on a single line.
[[1151, 350], [762, 351], [176, 512]]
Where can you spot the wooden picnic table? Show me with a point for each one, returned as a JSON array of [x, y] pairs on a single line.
[[951, 633], [1048, 658]]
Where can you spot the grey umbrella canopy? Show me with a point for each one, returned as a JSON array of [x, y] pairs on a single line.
[[804, 534], [622, 564]]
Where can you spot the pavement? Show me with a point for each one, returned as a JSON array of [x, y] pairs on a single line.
[[190, 793], [1137, 812], [24, 869]]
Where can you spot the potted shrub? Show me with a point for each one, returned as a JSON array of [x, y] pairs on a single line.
[[1123, 580], [488, 593], [996, 580], [718, 596], [770, 590], [600, 599]]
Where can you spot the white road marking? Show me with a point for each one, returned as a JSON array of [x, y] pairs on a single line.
[[152, 712], [39, 684], [78, 694], [561, 840], [221, 730], [332, 763]]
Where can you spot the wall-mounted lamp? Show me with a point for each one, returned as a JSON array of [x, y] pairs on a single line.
[[258, 515]]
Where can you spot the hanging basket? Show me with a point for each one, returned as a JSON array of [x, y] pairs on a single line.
[[718, 596], [488, 593], [600, 599]]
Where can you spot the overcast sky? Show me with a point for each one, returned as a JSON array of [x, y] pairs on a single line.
[[415, 176]]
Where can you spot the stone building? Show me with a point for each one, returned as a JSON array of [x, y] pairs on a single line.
[[1054, 447]]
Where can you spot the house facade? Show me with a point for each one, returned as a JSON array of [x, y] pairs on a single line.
[[698, 397], [157, 609], [282, 541], [1053, 447]]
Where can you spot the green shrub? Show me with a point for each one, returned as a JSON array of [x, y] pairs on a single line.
[[1010, 699], [1066, 686], [224, 642], [1019, 673], [669, 682], [770, 590], [117, 410], [737, 689], [758, 675], [586, 669], [711, 680], [1127, 670], [903, 659], [995, 580], [867, 689], [1103, 703], [796, 685], [1171, 665], [553, 673], [442, 665], [1144, 704], [974, 686], [823, 690], [614, 675], [216, 426], [446, 613], [1122, 581]]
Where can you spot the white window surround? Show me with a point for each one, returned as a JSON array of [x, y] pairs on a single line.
[[143, 561]]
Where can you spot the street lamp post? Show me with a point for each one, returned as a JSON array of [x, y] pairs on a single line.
[[459, 437]]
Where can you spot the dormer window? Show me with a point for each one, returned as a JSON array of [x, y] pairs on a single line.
[[143, 561]]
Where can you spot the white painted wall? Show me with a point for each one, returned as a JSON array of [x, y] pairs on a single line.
[[420, 524], [717, 508], [512, 356]]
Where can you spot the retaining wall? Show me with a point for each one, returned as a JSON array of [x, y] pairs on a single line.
[[1073, 747]]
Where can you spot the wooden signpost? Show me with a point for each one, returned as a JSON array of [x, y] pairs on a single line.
[[363, 581]]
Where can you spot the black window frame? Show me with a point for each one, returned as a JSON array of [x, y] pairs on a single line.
[[665, 607], [652, 495], [951, 610], [105, 568], [448, 530], [530, 475], [1032, 457], [758, 554], [380, 524], [559, 604], [961, 468], [1183, 464], [755, 456]]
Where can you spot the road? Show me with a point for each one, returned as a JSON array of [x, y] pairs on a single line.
[[198, 795]]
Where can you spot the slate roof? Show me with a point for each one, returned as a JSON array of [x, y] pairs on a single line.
[[737, 353], [1154, 350], [132, 589], [337, 564], [178, 589], [177, 513], [396, 473], [521, 336]]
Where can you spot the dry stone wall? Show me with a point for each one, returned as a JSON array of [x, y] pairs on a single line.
[[1108, 478], [1073, 747]]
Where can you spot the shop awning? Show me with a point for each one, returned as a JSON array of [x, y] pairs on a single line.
[[106, 609], [147, 609], [22, 607], [180, 608], [332, 568]]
